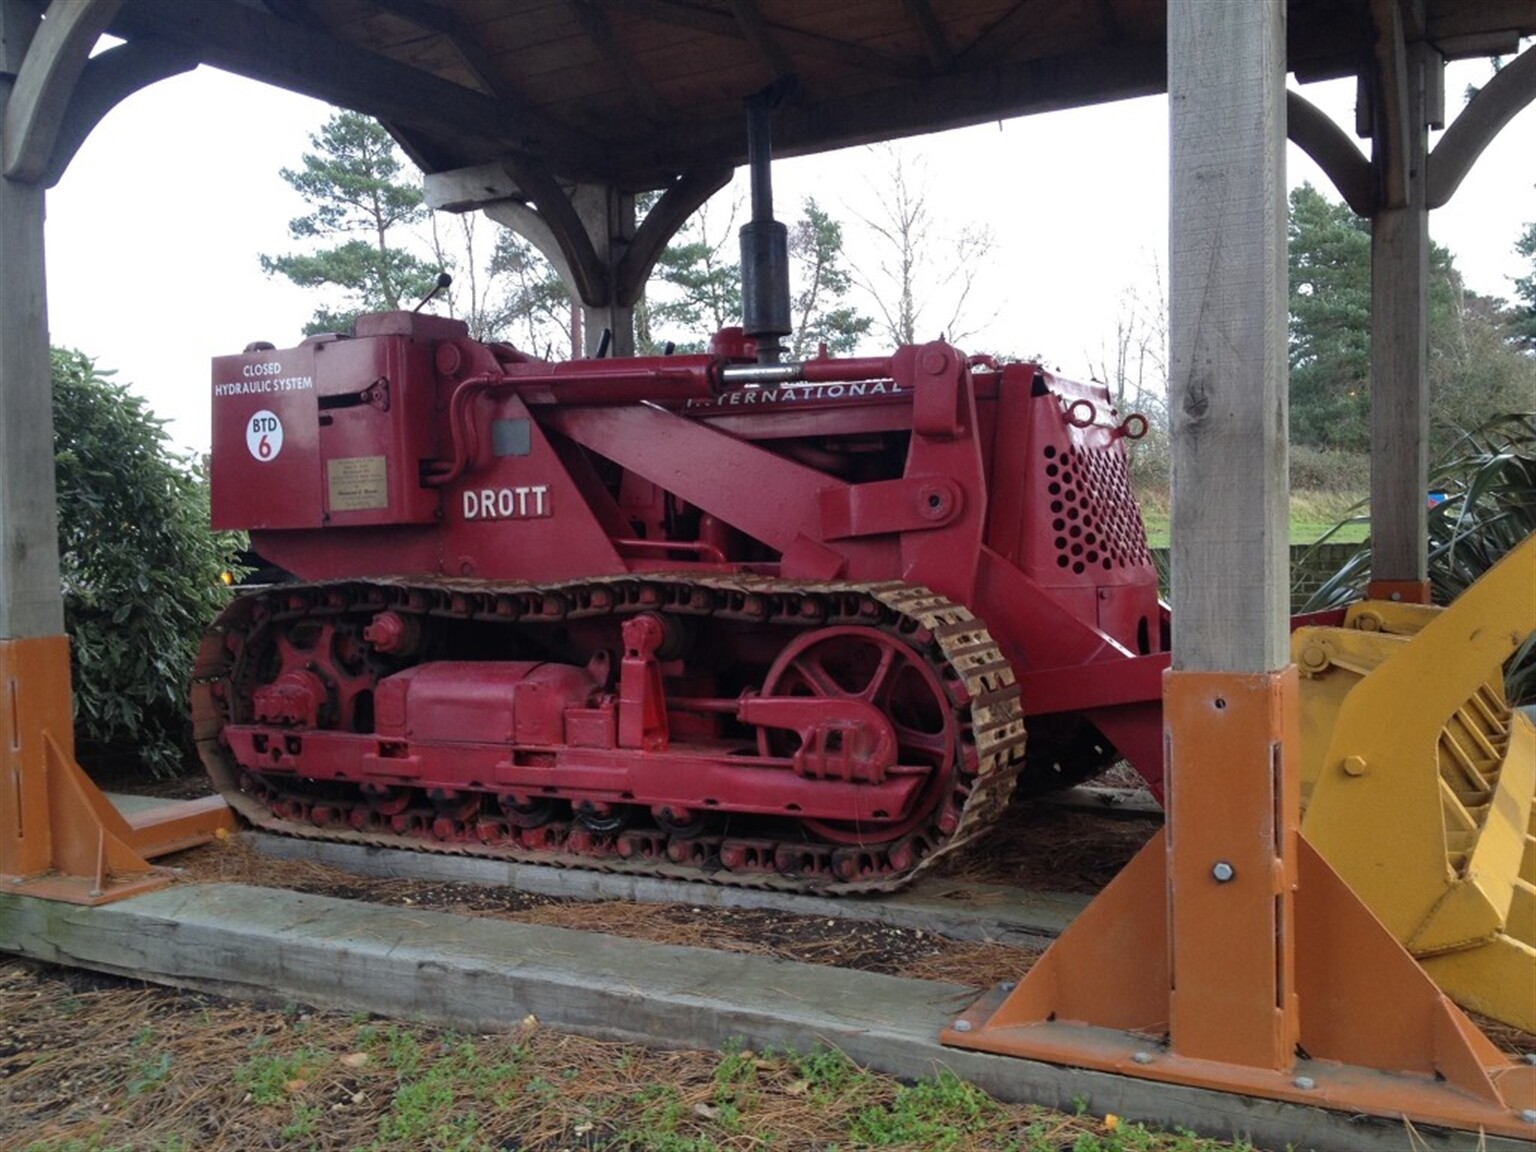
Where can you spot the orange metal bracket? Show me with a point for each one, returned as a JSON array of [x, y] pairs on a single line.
[[1228, 955], [1399, 591], [60, 838]]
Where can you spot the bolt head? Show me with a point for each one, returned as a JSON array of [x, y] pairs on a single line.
[[1314, 658], [962, 1025], [1222, 871], [1305, 1083], [1142, 1058], [1529, 1057], [1529, 1115]]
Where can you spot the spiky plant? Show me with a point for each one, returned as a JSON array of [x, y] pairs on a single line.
[[1489, 481]]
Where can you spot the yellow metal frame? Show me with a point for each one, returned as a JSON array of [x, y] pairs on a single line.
[[60, 838], [1419, 780]]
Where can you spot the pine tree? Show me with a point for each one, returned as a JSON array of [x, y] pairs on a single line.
[[1524, 324], [699, 282], [1330, 323], [352, 181], [1474, 372], [816, 264], [703, 280]]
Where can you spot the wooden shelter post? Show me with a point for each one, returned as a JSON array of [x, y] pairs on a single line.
[[1228, 954], [607, 213], [30, 604], [59, 837], [1402, 105], [1231, 698]]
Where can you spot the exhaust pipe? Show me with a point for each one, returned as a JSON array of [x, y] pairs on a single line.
[[764, 241]]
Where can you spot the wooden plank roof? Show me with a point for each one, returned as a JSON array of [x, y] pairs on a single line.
[[636, 91]]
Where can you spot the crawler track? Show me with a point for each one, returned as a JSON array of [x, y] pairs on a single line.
[[781, 854]]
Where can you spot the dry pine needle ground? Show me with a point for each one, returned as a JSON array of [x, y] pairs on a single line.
[[89, 1063]]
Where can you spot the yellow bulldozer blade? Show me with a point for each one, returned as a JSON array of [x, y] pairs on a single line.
[[1418, 780]]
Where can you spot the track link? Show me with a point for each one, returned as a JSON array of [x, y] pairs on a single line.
[[978, 680]]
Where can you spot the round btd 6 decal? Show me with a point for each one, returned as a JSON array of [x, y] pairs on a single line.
[[264, 435]]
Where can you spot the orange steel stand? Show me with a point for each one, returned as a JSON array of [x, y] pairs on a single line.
[[1399, 591], [1229, 955], [60, 838]]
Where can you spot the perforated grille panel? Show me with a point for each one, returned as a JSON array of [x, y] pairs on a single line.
[[1094, 521]]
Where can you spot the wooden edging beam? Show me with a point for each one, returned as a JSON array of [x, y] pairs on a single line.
[[487, 975]]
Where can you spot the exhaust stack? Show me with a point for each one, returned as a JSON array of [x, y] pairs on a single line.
[[764, 241]]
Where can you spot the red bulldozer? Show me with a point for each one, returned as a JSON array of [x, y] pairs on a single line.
[[781, 623], [711, 615]]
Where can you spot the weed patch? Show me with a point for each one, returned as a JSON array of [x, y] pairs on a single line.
[[937, 1114]]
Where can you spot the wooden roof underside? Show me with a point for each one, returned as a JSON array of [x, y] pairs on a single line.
[[637, 91]]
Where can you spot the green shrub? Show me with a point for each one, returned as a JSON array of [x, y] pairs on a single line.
[[1488, 478], [141, 570], [1329, 470]]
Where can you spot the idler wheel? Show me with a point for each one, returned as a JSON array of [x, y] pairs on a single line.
[[865, 664]]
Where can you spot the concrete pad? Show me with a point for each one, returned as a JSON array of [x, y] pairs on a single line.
[[128, 804], [962, 911], [486, 975]]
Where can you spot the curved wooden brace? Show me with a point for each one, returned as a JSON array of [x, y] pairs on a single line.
[[1314, 133], [46, 82], [524, 219], [588, 273], [661, 223], [108, 79], [1501, 99]]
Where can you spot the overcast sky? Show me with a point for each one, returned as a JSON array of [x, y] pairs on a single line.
[[155, 229]]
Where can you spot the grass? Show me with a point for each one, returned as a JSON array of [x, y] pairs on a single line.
[[1313, 515]]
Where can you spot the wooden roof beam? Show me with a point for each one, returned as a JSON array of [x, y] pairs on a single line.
[[427, 152], [954, 100], [1487, 17], [793, 40], [298, 12], [920, 12], [594, 22], [538, 207], [241, 40], [997, 41], [419, 146], [431, 18], [755, 30]]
